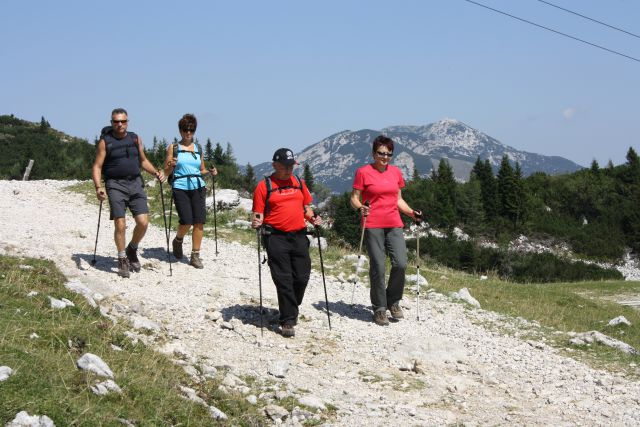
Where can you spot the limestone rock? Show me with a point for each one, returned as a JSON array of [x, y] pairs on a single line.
[[92, 363]]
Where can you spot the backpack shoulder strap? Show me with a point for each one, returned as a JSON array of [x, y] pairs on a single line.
[[301, 185], [175, 150], [267, 182], [106, 131]]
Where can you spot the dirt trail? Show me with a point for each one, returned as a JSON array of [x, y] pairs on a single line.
[[465, 373]]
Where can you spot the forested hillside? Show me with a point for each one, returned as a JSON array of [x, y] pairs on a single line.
[[60, 156], [56, 155], [595, 211]]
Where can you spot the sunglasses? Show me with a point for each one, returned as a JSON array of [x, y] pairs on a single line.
[[189, 130], [119, 121], [381, 154]]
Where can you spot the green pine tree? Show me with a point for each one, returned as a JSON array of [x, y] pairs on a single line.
[[249, 178], [507, 192], [488, 188], [444, 211], [208, 150], [228, 156], [218, 155], [308, 177]]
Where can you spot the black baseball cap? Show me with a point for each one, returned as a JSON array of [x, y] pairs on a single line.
[[284, 156]]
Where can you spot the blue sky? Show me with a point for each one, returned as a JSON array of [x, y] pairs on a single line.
[[262, 75]]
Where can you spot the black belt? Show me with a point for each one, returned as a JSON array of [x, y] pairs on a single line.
[[267, 230], [126, 178]]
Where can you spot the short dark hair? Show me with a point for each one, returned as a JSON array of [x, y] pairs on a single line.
[[382, 140], [188, 121], [119, 111]]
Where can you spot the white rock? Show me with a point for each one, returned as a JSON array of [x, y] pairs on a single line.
[[618, 320], [92, 363], [140, 322], [278, 368], [252, 399], [422, 281], [275, 412], [106, 387], [5, 372], [464, 295], [34, 336], [213, 316], [78, 287], [227, 325], [595, 336], [216, 413], [191, 394], [190, 370], [312, 402], [58, 304], [209, 371], [313, 242], [32, 294], [225, 199], [69, 303], [23, 419]]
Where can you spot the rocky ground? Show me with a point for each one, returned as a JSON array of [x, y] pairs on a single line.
[[444, 369]]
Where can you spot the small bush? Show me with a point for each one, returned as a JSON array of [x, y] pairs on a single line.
[[544, 268]]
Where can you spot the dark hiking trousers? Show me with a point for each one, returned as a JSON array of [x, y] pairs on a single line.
[[380, 241], [290, 267]]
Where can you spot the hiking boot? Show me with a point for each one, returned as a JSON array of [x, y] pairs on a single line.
[[380, 317], [132, 256], [177, 249], [396, 311], [195, 260], [287, 331], [123, 267]]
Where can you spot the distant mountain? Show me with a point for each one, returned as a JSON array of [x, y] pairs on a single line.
[[334, 160]]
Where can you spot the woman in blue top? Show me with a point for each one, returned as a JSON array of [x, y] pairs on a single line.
[[189, 191]]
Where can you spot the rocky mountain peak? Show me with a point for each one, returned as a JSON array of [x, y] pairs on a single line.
[[334, 160]]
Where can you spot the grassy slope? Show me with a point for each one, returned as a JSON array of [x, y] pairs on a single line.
[[47, 381]]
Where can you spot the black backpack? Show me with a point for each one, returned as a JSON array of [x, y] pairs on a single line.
[[108, 130], [270, 189], [176, 150]]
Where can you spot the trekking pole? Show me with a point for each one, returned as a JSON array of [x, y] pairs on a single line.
[[260, 281], [326, 298], [418, 219], [355, 281], [215, 220], [166, 231], [417, 274], [95, 248]]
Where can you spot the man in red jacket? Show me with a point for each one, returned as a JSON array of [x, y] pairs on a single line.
[[281, 204]]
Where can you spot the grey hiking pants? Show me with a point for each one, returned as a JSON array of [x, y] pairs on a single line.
[[379, 241]]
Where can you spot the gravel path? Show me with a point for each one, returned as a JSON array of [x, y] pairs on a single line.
[[444, 369]]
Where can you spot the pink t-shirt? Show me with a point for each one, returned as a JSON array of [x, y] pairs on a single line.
[[381, 190]]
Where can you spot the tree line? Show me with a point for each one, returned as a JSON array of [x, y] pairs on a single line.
[[595, 210]]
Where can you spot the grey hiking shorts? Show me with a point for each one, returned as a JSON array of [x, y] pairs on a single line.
[[126, 193]]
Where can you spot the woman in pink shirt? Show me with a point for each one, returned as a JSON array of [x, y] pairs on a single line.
[[380, 184]]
